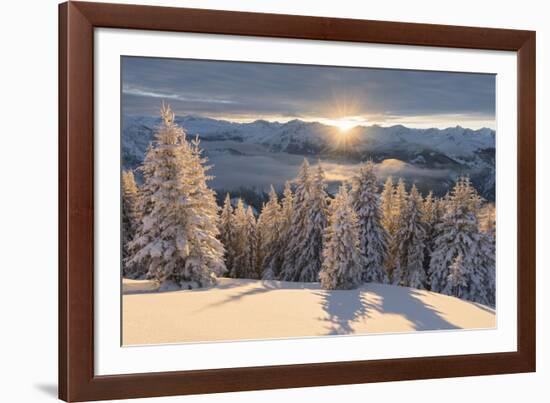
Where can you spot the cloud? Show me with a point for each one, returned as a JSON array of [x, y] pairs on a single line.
[[397, 168], [257, 168], [220, 88], [127, 90]]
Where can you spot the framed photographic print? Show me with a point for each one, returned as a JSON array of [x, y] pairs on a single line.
[[257, 201]]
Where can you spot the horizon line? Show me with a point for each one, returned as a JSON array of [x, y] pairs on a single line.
[[282, 121]]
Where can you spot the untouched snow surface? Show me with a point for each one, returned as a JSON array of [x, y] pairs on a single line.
[[252, 309]]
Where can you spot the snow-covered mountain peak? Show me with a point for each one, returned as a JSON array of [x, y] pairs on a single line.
[[456, 149]]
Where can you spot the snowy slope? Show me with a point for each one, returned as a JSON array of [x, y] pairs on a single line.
[[251, 309]]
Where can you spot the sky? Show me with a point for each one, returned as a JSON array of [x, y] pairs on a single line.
[[338, 96]]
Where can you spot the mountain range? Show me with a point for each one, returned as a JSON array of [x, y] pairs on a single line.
[[261, 153]]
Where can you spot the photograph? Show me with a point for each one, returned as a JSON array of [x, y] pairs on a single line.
[[243, 202], [273, 201]]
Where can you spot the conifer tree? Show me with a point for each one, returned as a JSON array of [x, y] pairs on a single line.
[[487, 226], [251, 258], [227, 232], [372, 235], [455, 235], [342, 258], [245, 243], [144, 203], [177, 239], [149, 187], [458, 234], [410, 238], [309, 219], [130, 220], [456, 281], [482, 278], [487, 219], [274, 258], [386, 201], [298, 223], [398, 204], [430, 217], [287, 203], [240, 241], [269, 227], [205, 250], [260, 255]]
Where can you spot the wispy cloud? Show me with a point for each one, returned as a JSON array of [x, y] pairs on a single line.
[[128, 90]]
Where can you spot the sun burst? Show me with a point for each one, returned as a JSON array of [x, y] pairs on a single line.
[[344, 125]]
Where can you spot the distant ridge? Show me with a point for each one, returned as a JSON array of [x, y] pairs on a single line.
[[457, 150]]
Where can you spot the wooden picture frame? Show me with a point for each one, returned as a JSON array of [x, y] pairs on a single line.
[[77, 381]]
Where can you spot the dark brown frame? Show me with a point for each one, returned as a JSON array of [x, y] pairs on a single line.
[[77, 21]]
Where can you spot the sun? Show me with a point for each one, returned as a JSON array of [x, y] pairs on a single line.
[[344, 125]]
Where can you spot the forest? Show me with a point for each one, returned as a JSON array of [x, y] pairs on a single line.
[[173, 229]]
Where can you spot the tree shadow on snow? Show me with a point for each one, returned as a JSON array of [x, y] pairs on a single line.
[[406, 302], [156, 288], [344, 307], [239, 295], [258, 287]]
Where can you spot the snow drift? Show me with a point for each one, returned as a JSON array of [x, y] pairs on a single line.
[[237, 309]]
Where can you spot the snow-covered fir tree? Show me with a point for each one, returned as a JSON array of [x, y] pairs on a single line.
[[205, 249], [398, 204], [302, 182], [458, 234], [487, 226], [430, 216], [455, 235], [456, 281], [409, 239], [150, 187], [316, 220], [260, 255], [274, 255], [226, 232], [486, 260], [372, 235], [343, 261], [144, 203], [487, 219], [287, 204], [303, 255], [245, 242], [386, 201], [240, 241], [252, 270], [269, 225], [177, 239], [130, 220], [429, 209]]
